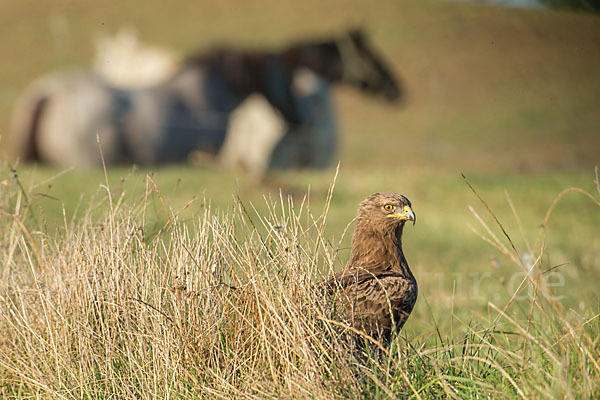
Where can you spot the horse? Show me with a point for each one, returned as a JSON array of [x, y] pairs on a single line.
[[66, 118], [277, 144]]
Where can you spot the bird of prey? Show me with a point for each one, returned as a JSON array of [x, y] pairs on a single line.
[[377, 291]]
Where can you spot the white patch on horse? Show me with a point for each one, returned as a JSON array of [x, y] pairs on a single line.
[[304, 82], [254, 130], [125, 61]]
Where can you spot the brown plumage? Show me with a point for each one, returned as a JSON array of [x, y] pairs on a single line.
[[376, 292]]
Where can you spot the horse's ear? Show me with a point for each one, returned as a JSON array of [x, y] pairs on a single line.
[[357, 34]]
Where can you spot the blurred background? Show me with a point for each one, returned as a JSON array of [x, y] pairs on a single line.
[[509, 96], [487, 87]]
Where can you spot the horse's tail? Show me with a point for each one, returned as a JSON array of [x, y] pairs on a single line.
[[26, 121]]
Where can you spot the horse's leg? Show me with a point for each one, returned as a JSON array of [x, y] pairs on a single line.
[[312, 143], [254, 130], [321, 134]]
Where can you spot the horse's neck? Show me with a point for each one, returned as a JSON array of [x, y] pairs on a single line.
[[322, 58]]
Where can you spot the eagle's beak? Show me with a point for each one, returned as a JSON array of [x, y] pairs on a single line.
[[407, 214]]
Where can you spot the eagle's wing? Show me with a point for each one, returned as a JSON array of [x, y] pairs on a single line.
[[355, 277], [374, 301]]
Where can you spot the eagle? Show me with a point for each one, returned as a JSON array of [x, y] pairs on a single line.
[[377, 291]]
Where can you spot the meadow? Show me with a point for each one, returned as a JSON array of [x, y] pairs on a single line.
[[137, 295], [187, 282]]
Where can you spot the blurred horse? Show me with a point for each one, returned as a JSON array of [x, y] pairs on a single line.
[[64, 118], [259, 139], [277, 144]]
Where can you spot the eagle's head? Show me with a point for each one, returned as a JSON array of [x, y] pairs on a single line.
[[384, 212]]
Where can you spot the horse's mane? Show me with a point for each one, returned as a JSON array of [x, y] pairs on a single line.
[[243, 69]]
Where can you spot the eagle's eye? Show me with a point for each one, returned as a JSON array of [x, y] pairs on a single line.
[[388, 207]]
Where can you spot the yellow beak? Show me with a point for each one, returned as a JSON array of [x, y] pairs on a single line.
[[407, 214]]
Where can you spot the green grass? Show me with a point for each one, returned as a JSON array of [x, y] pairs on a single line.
[[443, 249], [132, 298]]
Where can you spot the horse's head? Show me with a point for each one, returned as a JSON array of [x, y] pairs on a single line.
[[364, 68], [350, 59]]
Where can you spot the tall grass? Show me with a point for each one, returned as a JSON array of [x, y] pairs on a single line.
[[111, 306]]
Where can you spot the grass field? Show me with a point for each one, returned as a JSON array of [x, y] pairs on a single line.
[[130, 294], [127, 295]]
